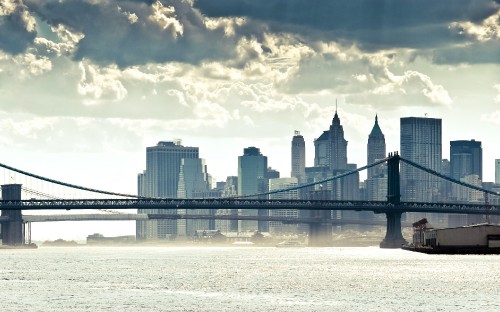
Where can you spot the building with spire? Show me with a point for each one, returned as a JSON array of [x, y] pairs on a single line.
[[330, 148], [330, 159], [376, 149], [338, 145], [376, 183]]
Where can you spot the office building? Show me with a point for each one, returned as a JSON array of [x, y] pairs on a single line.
[[322, 150], [193, 183], [420, 142], [276, 227], [272, 173], [497, 171], [298, 157], [252, 179], [466, 158], [161, 179], [230, 189]]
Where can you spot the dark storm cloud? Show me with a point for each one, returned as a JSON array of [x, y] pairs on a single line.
[[373, 24], [110, 37], [15, 35], [124, 32]]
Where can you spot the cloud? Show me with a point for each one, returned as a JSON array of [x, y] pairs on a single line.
[[128, 33], [52, 134], [374, 25], [17, 27], [98, 84], [493, 117], [33, 65]]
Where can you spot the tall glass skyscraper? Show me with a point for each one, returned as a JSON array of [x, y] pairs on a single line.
[[193, 182], [161, 179], [466, 158], [420, 142], [252, 179]]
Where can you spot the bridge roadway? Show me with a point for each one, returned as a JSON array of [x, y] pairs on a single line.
[[143, 216], [165, 203]]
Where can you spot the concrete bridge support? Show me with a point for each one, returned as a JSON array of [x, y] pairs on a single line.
[[320, 233], [12, 230], [393, 237]]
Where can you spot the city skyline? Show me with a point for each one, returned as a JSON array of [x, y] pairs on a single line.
[[86, 86]]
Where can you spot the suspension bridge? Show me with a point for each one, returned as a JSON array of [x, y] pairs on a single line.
[[14, 224]]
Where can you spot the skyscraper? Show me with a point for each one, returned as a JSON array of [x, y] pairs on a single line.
[[420, 142], [338, 145], [193, 182], [466, 158], [160, 179], [298, 157], [331, 152], [497, 171], [330, 149], [322, 150], [252, 179], [276, 227], [193, 177], [375, 149]]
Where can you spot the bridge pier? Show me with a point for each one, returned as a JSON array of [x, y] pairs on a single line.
[[320, 233], [12, 230], [393, 237]]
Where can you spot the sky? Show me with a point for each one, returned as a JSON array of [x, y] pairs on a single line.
[[86, 86]]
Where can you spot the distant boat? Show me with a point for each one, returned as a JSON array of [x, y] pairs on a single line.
[[243, 243], [288, 244]]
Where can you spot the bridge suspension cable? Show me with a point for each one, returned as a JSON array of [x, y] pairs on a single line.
[[314, 183], [445, 177], [74, 186]]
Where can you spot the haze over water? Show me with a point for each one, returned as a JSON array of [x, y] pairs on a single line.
[[245, 279]]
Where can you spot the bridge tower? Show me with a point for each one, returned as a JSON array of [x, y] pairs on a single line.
[[12, 230], [393, 237]]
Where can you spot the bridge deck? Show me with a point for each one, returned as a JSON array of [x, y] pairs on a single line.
[[160, 204]]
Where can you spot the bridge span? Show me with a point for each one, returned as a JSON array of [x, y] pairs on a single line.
[[320, 222], [144, 216]]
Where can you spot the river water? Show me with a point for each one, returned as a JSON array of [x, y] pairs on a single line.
[[245, 279]]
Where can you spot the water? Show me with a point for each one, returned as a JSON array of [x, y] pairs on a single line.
[[245, 279]]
